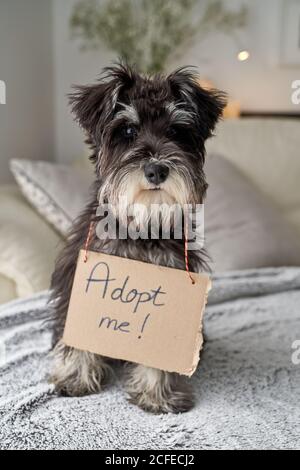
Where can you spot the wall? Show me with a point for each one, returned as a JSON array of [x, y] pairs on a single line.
[[26, 120], [71, 67], [261, 84], [40, 62]]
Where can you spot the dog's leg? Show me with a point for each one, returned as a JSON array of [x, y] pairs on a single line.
[[77, 373], [159, 392]]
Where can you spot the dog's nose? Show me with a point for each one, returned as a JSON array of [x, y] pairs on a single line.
[[156, 173]]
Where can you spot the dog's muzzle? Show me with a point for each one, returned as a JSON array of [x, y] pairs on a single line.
[[156, 173]]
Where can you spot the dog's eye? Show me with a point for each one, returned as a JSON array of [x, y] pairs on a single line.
[[179, 133], [129, 132], [172, 132]]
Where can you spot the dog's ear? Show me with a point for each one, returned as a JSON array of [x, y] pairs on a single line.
[[207, 105], [94, 105], [89, 105]]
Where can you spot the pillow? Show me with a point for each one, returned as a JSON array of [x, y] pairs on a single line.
[[58, 192], [28, 246], [266, 151], [243, 228], [293, 216], [7, 289]]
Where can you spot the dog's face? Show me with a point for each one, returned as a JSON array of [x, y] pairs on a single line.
[[148, 135]]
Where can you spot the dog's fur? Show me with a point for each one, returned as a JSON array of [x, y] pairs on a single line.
[[131, 120]]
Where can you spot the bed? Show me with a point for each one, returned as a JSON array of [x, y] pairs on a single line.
[[247, 384], [248, 380]]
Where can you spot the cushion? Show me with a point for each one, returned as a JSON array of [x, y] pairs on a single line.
[[243, 228], [7, 289], [28, 246], [267, 152], [293, 216], [58, 192]]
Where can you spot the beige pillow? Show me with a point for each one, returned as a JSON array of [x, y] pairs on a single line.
[[57, 192], [28, 245], [7, 289], [267, 152], [243, 228]]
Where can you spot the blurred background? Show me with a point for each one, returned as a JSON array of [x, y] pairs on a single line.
[[41, 56], [248, 48]]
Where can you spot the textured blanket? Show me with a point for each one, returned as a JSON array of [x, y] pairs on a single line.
[[247, 384]]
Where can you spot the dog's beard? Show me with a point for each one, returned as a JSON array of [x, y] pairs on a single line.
[[130, 195]]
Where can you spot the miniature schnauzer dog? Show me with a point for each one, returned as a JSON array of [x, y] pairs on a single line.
[[147, 136]]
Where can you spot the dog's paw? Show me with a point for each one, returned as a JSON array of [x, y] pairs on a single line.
[[175, 402], [158, 392], [73, 386], [77, 373]]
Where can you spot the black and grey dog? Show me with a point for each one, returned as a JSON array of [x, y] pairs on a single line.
[[147, 136]]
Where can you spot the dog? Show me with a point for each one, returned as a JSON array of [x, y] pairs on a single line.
[[147, 137]]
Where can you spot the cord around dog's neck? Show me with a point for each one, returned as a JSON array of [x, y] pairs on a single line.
[[88, 240], [186, 258]]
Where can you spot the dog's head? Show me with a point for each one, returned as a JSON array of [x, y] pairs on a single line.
[[148, 134]]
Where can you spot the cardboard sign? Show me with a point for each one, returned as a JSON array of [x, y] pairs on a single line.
[[138, 312]]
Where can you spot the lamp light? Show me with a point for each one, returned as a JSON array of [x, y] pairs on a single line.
[[243, 55]]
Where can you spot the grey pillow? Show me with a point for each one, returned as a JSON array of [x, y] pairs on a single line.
[[57, 192], [243, 228]]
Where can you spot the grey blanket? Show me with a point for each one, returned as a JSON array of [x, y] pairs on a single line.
[[247, 385]]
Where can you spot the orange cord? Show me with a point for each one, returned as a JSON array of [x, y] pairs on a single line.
[[89, 236], [186, 250], [87, 242]]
